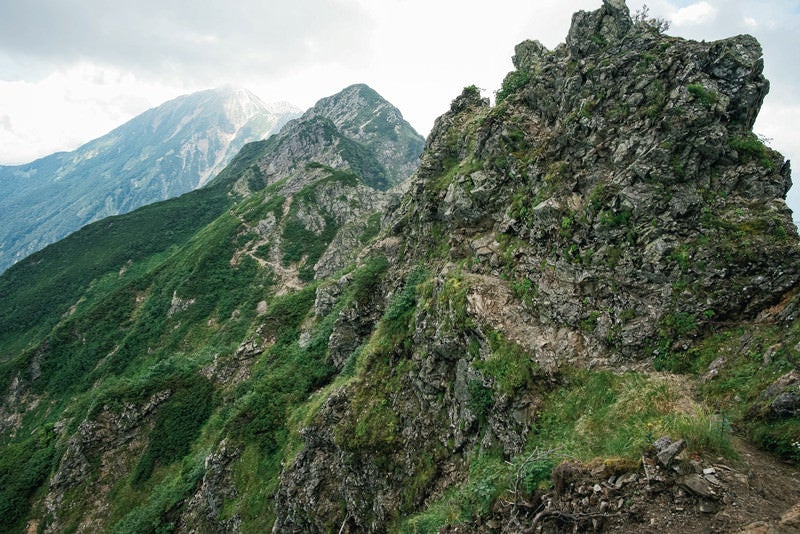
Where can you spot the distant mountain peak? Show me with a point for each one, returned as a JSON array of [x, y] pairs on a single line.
[[162, 153], [362, 114], [355, 129]]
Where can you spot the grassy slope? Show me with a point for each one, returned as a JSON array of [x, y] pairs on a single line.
[[37, 291], [121, 343]]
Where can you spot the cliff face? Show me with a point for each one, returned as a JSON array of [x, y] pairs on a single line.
[[612, 208]]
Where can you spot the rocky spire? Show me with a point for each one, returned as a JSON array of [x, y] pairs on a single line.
[[593, 30]]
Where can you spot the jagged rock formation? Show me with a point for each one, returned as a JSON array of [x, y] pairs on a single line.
[[382, 129], [612, 206], [160, 154], [559, 274]]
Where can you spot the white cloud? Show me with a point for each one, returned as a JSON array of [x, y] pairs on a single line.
[[699, 13], [68, 108]]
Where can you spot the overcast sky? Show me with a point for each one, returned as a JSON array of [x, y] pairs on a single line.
[[71, 70]]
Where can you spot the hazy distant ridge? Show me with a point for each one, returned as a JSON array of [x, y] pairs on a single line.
[[160, 154]]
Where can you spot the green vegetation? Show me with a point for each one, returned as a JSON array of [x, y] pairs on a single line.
[[37, 291], [706, 97], [481, 400], [755, 358], [489, 477], [509, 365], [605, 415], [24, 465], [160, 503], [298, 243], [372, 229], [616, 219], [750, 148], [513, 82], [177, 426], [383, 360]]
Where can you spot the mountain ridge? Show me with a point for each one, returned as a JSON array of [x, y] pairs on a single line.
[[567, 318], [161, 153]]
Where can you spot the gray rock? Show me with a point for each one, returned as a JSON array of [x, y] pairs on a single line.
[[786, 404], [697, 485], [667, 450]]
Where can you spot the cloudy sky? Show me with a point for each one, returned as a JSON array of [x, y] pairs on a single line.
[[71, 70]]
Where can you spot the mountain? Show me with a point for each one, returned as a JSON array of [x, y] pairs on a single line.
[[218, 253], [578, 314], [160, 154], [355, 129], [43, 287]]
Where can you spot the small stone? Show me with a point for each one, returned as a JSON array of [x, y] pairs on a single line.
[[708, 507], [697, 485], [683, 468], [667, 450]]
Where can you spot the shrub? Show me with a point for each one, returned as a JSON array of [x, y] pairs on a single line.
[[177, 425], [750, 148], [481, 400], [513, 82], [509, 365]]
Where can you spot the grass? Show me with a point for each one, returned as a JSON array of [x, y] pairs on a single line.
[[738, 389], [593, 416], [750, 148], [508, 365], [489, 476], [603, 415], [513, 82]]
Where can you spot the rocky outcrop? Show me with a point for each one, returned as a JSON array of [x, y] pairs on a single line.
[[203, 511], [611, 207], [363, 115], [625, 160], [100, 452]]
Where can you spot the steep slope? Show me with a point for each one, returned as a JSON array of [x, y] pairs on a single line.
[[194, 275], [356, 129], [610, 211], [383, 130], [40, 289], [559, 324], [162, 153]]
